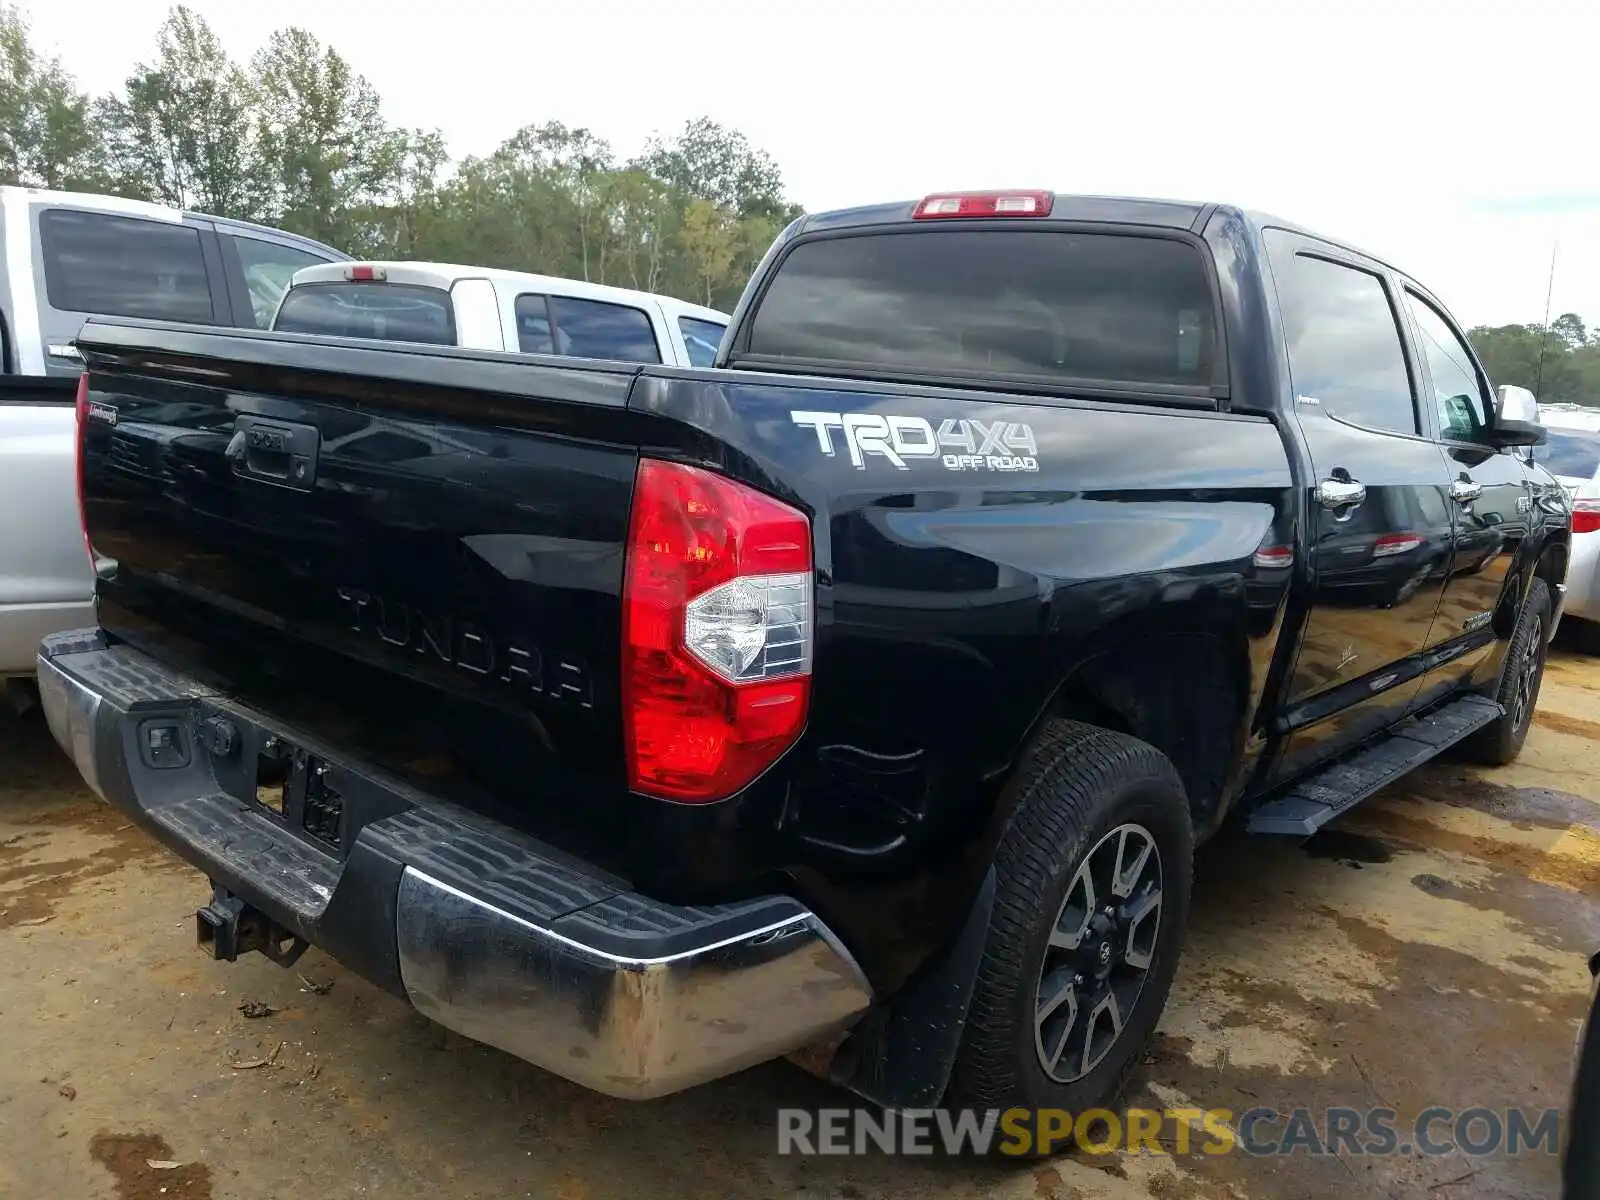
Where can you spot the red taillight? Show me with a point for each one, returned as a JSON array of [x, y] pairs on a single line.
[[1390, 544], [716, 632], [1274, 557], [80, 435], [1585, 515], [984, 204]]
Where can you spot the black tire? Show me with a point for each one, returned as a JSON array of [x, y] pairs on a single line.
[[1079, 791], [1581, 1168], [1518, 691]]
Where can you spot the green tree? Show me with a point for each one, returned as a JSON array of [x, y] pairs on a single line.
[[707, 161], [1560, 364], [331, 161], [48, 137], [709, 239], [183, 133], [1570, 329]]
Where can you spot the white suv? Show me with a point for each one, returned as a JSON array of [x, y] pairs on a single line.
[[1572, 454]]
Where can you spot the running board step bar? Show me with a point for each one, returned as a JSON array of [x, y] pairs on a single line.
[[1312, 803]]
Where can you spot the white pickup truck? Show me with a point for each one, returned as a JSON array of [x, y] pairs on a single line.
[[477, 308]]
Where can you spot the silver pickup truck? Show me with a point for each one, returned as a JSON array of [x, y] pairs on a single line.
[[66, 256], [45, 580]]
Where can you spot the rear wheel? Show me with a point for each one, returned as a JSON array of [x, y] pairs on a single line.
[[1518, 692], [1093, 875]]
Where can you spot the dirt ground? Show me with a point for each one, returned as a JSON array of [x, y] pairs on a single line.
[[1430, 952]]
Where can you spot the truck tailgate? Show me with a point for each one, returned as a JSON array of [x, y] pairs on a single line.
[[418, 553]]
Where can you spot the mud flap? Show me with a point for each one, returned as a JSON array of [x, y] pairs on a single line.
[[900, 1055]]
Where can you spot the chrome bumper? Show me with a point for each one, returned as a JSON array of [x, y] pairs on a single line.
[[626, 1026], [610, 989]]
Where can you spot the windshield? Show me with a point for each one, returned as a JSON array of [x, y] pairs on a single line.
[[995, 303], [393, 312], [1571, 452]]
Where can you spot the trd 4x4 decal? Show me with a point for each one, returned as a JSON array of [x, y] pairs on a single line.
[[959, 444]]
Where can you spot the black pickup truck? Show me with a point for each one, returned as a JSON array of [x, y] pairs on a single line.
[[870, 690]]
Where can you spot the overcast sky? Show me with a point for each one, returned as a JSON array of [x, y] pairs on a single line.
[[1457, 140]]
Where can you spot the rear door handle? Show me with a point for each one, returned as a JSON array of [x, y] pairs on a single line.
[[1464, 490], [1340, 493]]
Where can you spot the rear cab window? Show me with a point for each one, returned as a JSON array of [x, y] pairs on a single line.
[[125, 266], [1569, 453], [581, 328], [1041, 306], [390, 312]]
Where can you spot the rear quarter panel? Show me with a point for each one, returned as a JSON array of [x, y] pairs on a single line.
[[957, 596], [45, 581]]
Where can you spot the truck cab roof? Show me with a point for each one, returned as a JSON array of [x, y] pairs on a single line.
[[99, 202], [1150, 211], [445, 275]]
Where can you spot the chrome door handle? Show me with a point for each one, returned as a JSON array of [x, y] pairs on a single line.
[[1340, 493], [1464, 491]]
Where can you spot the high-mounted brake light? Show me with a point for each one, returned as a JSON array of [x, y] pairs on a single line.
[[82, 434], [365, 273], [984, 204], [1585, 515], [716, 632]]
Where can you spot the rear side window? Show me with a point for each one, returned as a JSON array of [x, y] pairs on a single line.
[[124, 266], [1029, 304], [390, 312], [700, 339], [584, 329], [1574, 453], [1344, 343]]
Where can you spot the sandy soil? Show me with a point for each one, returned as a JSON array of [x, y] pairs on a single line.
[[1430, 951]]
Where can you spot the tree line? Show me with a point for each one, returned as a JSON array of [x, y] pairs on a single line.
[[296, 139], [1559, 363]]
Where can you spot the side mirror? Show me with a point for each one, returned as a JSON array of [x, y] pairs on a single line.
[[1516, 418], [1507, 434], [1513, 403]]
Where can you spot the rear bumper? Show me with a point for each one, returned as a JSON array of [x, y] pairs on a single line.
[[488, 932]]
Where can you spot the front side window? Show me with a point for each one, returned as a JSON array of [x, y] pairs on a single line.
[[268, 270], [124, 266], [1458, 391], [1344, 343]]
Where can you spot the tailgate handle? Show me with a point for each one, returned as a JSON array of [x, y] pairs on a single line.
[[279, 452]]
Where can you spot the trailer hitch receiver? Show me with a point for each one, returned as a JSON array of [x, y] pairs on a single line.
[[228, 927]]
